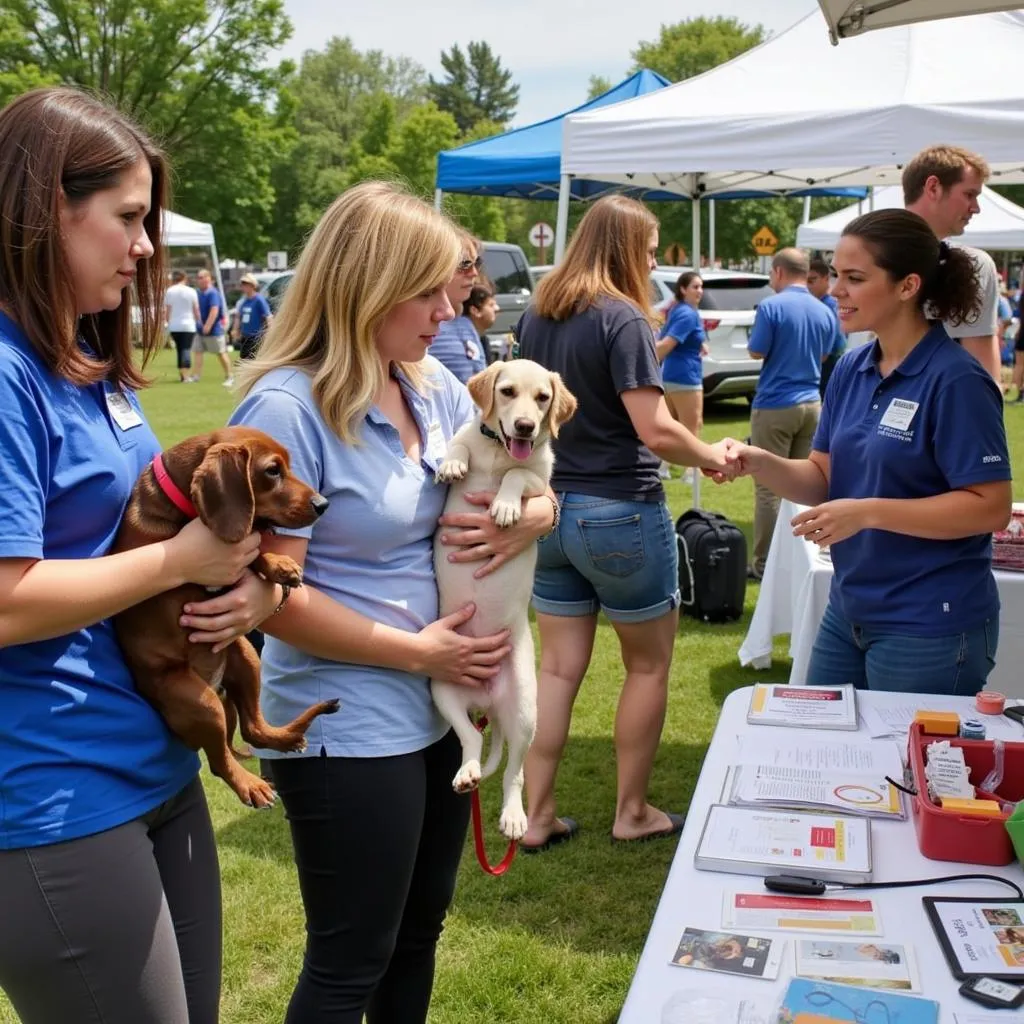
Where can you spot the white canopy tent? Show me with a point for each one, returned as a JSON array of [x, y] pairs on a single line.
[[851, 17], [876, 101], [999, 225], [183, 232]]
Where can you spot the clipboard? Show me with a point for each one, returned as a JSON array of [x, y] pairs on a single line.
[[986, 932]]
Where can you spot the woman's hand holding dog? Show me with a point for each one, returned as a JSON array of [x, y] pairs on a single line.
[[453, 657], [477, 536], [199, 556], [224, 618]]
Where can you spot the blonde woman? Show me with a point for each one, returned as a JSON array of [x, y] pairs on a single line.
[[343, 380], [615, 548]]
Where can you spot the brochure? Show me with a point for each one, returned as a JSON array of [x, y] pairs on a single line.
[[868, 964], [729, 953], [859, 756], [754, 842], [800, 788], [769, 911], [819, 1002], [806, 707], [980, 937]]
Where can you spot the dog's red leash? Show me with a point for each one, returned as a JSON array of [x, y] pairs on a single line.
[[478, 828]]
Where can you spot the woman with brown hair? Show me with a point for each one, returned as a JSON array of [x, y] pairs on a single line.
[[108, 867], [614, 549]]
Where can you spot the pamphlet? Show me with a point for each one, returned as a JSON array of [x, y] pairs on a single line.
[[867, 964], [980, 937], [729, 953], [799, 788], [756, 842], [770, 911], [807, 707], [819, 1002], [860, 756]]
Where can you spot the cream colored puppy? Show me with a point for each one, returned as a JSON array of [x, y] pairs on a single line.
[[504, 449]]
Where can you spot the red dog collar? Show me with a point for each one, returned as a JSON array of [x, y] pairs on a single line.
[[170, 488]]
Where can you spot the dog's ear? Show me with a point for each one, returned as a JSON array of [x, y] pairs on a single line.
[[563, 403], [222, 491], [481, 389]]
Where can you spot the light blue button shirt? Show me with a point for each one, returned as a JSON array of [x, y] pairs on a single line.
[[371, 551]]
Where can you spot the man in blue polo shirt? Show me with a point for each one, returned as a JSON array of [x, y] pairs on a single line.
[[792, 333]]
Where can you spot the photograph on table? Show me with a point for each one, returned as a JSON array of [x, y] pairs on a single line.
[[729, 953], [883, 965], [818, 1002], [977, 936]]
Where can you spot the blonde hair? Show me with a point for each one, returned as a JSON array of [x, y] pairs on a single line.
[[607, 258], [375, 247]]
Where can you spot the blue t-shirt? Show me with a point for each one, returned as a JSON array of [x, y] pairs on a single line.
[[372, 551], [459, 348], [831, 302], [253, 313], [794, 332], [682, 365], [935, 424], [81, 751], [209, 298]]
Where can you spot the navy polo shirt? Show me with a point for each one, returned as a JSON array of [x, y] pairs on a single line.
[[253, 315], [683, 364], [934, 425], [794, 332]]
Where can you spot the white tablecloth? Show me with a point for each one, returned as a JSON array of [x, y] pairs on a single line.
[[693, 898], [794, 593]]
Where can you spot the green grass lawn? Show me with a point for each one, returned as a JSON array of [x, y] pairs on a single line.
[[557, 938]]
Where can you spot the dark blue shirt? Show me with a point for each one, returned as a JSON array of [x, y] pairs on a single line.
[[81, 751], [682, 365], [831, 302], [208, 298], [253, 314], [934, 425], [794, 332]]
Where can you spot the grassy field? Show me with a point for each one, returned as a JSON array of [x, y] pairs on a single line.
[[557, 939]]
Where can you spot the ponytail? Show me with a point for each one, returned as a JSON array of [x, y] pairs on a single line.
[[953, 292]]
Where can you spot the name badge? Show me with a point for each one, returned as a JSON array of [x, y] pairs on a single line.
[[900, 414], [436, 446], [121, 411]]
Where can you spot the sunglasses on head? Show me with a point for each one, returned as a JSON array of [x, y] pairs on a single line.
[[465, 266]]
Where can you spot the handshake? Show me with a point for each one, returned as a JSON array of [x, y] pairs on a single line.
[[733, 459]]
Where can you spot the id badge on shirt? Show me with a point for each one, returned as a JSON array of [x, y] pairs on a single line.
[[121, 411], [436, 446], [900, 414]]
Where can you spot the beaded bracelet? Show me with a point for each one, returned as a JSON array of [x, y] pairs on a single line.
[[286, 592]]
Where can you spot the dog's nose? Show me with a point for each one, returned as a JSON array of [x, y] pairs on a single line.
[[524, 427], [319, 503]]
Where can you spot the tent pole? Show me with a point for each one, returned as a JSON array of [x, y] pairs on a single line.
[[695, 243], [711, 233], [438, 199], [871, 199], [807, 210], [562, 223]]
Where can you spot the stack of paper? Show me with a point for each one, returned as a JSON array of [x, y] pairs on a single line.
[[808, 707]]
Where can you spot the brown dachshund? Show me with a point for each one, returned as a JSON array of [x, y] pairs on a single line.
[[236, 480]]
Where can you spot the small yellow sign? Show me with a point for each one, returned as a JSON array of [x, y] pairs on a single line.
[[764, 242]]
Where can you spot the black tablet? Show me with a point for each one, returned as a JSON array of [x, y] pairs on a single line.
[[980, 938]]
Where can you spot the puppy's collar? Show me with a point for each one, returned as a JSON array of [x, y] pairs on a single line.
[[171, 489], [487, 432]]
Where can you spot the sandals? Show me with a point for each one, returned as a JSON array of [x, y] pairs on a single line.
[[571, 831]]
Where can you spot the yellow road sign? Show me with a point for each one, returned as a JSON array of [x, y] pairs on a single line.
[[764, 242]]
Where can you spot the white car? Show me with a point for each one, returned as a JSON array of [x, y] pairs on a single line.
[[727, 309]]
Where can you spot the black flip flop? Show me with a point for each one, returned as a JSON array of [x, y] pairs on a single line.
[[571, 831], [677, 820]]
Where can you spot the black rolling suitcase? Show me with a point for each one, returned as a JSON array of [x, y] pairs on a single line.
[[712, 566]]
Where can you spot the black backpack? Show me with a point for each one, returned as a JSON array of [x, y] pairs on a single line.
[[712, 566]]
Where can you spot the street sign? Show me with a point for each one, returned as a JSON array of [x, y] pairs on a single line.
[[764, 242], [277, 260], [542, 235]]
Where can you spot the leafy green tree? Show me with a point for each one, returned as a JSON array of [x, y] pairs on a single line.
[[597, 86], [696, 45], [477, 87]]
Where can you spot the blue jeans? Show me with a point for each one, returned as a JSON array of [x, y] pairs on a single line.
[[872, 659], [617, 556]]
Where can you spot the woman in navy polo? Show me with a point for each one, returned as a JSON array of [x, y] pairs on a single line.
[[909, 473], [681, 346]]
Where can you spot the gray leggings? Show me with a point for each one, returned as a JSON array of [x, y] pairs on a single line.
[[123, 927]]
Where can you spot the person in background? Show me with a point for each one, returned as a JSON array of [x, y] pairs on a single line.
[[457, 345], [211, 338], [482, 309], [681, 346], [792, 333], [367, 416], [1018, 351], [903, 495], [181, 314], [818, 282], [614, 549], [254, 316], [942, 184], [108, 865]]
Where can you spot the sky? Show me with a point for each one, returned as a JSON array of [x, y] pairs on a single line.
[[552, 47]]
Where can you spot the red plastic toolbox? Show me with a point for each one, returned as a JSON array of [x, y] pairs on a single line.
[[948, 835]]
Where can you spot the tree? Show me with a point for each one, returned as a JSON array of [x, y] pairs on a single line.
[[477, 88], [598, 86], [696, 45]]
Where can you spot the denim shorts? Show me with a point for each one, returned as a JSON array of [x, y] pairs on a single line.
[[616, 556], [671, 385]]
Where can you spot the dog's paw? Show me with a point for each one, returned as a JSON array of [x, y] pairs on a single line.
[[451, 470], [467, 778], [512, 822], [284, 570], [505, 513]]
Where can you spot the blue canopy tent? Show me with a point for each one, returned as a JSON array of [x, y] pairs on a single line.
[[525, 163]]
